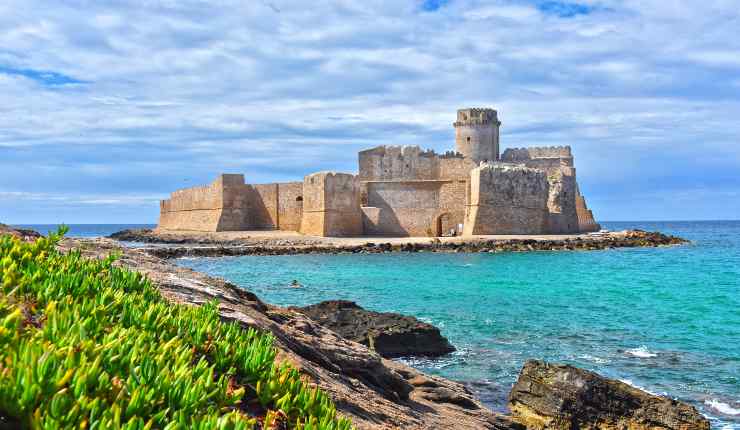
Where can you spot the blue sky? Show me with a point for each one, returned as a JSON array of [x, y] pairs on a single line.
[[106, 107]]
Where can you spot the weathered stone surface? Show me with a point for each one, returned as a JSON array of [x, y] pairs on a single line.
[[507, 199], [331, 205], [388, 334], [24, 234], [562, 397], [374, 392]]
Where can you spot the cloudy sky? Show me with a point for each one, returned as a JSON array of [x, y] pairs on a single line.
[[107, 106]]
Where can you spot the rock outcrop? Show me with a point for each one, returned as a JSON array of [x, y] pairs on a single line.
[[23, 234], [210, 245], [389, 334], [562, 397]]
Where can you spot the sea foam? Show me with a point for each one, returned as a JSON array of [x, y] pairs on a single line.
[[641, 352], [722, 407]]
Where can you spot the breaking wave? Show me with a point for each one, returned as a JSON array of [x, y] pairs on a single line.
[[641, 352]]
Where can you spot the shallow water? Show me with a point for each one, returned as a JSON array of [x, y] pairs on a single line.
[[666, 319]]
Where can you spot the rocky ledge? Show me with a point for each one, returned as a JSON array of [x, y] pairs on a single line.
[[562, 397], [194, 246], [390, 335], [23, 234]]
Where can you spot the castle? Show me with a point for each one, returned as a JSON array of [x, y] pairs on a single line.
[[404, 191]]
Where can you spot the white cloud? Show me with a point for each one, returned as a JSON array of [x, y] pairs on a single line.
[[247, 86]]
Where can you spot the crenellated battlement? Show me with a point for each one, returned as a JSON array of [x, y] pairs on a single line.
[[409, 150], [535, 152], [476, 116]]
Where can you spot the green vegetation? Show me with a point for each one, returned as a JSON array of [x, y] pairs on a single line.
[[85, 344]]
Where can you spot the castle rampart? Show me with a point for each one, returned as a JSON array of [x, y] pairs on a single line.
[[403, 163], [217, 206], [331, 205], [507, 199], [512, 155], [414, 208], [404, 191]]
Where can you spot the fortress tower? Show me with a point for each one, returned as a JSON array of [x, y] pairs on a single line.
[[476, 134]]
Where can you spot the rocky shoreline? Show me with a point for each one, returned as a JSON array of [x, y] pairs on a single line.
[[378, 393], [174, 246]]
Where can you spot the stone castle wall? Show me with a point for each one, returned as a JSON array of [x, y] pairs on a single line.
[[221, 205], [228, 204], [550, 159], [586, 221], [561, 202], [414, 208], [275, 206], [518, 155], [405, 163], [331, 205], [507, 199]]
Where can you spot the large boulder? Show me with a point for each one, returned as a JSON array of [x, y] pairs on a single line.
[[563, 397], [389, 334]]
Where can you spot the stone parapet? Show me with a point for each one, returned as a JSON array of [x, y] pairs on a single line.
[[506, 199], [331, 205]]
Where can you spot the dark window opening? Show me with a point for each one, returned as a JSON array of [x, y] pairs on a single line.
[[468, 138], [299, 199]]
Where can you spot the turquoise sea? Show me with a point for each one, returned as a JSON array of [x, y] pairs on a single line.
[[666, 320]]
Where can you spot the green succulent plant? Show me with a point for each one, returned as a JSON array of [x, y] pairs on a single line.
[[86, 344]]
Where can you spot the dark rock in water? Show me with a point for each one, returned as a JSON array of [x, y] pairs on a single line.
[[134, 235], [389, 334], [562, 397]]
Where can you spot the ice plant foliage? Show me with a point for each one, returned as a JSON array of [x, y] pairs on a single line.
[[85, 344]]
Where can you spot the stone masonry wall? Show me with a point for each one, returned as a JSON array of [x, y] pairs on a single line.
[[264, 205], [221, 205], [228, 204], [275, 206], [507, 199], [549, 159], [561, 202], [586, 221], [517, 155], [290, 206], [414, 208], [331, 205], [404, 163]]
